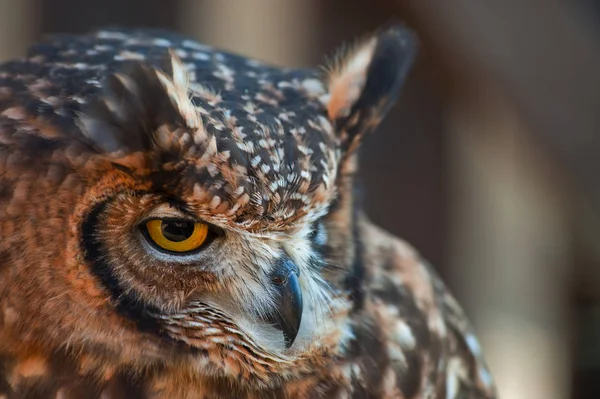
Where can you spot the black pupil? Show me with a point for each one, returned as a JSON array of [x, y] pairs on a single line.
[[177, 231]]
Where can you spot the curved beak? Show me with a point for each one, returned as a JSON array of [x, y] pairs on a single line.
[[287, 315]]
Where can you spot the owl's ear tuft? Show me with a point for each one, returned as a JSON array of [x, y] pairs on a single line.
[[138, 109], [364, 82]]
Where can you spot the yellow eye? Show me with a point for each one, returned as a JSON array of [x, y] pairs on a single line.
[[177, 235]]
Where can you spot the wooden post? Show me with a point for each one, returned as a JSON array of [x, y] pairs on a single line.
[[18, 26], [278, 31]]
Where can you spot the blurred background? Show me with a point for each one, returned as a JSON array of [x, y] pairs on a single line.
[[493, 145]]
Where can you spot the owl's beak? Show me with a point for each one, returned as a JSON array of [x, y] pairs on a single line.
[[288, 313]]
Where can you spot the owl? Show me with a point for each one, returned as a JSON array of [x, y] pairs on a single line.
[[180, 222]]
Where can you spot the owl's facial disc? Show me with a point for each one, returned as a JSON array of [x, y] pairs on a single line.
[[182, 237]]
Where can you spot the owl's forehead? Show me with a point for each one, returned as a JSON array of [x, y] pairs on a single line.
[[265, 155], [262, 161]]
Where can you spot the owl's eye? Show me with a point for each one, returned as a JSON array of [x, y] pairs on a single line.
[[173, 235]]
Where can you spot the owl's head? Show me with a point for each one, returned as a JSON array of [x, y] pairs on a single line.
[[215, 223]]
